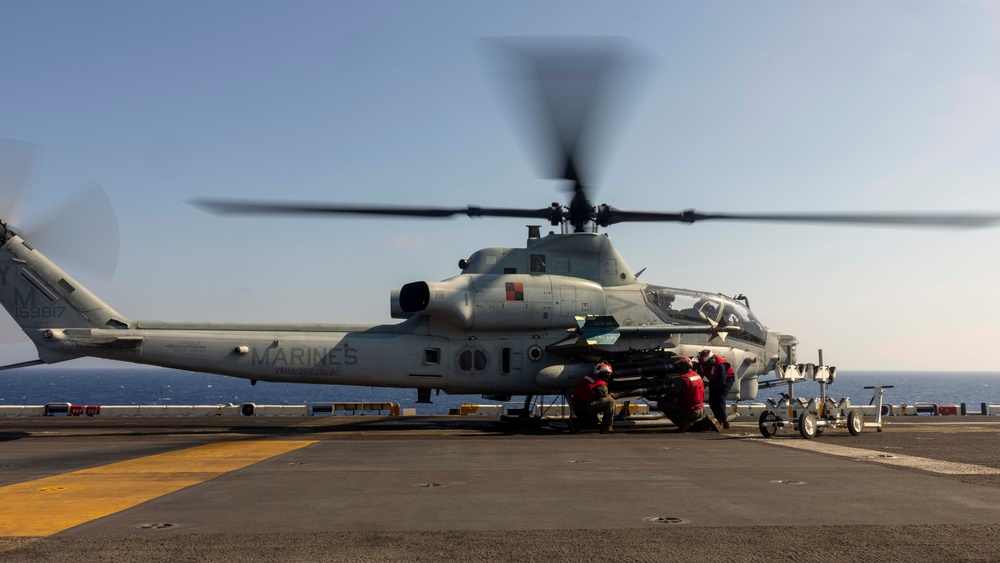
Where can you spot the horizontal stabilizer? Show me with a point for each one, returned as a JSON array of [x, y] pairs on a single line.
[[84, 337], [22, 365]]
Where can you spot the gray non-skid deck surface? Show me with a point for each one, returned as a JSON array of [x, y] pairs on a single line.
[[425, 497]]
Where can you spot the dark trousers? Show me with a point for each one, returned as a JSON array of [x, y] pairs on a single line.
[[587, 412], [717, 394], [678, 414]]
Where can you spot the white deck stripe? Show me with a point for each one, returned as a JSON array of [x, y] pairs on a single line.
[[923, 463]]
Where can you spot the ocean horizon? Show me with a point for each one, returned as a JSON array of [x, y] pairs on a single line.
[[162, 386]]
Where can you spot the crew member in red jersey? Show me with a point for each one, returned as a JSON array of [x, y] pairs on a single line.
[[720, 376], [684, 402], [591, 398]]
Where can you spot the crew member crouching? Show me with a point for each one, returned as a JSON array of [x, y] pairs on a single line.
[[591, 398], [684, 402]]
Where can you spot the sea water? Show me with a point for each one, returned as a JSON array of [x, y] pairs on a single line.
[[160, 386]]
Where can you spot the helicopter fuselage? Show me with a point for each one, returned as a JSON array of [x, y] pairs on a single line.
[[515, 321]]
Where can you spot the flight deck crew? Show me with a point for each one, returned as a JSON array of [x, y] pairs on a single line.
[[684, 403], [591, 398], [720, 376]]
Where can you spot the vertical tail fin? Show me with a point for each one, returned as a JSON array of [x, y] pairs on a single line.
[[40, 296]]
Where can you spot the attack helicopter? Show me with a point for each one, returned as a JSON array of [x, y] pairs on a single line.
[[513, 322]]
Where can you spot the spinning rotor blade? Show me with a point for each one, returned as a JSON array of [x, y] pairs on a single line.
[[560, 88], [221, 207], [563, 93], [81, 233], [608, 215], [960, 220], [17, 159]]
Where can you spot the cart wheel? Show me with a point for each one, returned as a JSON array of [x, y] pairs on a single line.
[[856, 422], [807, 425], [819, 430], [764, 423]]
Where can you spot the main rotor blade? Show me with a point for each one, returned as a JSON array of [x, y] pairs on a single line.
[[954, 220], [609, 215], [567, 79], [222, 207], [564, 90]]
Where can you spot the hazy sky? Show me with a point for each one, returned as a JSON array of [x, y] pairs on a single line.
[[746, 106]]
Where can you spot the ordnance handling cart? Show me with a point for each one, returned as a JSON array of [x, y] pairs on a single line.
[[816, 415]]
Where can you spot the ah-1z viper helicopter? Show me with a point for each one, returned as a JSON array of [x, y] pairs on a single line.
[[515, 321]]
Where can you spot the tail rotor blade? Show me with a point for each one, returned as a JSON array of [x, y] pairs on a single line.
[[81, 233], [17, 159]]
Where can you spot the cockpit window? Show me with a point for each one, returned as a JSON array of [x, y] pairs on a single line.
[[674, 305], [736, 314], [678, 306]]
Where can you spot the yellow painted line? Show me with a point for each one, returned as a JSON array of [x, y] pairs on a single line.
[[45, 506]]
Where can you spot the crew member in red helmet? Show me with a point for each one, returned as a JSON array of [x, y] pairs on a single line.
[[719, 373], [684, 402], [591, 398]]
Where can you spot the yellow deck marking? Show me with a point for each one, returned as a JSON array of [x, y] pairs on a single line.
[[45, 506]]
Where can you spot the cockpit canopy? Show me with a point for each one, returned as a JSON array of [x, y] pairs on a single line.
[[679, 306]]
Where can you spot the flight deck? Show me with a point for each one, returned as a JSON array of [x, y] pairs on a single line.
[[425, 488]]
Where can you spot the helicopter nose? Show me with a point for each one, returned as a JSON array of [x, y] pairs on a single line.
[[775, 349], [786, 347]]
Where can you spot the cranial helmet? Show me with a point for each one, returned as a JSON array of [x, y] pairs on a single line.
[[603, 368], [704, 356], [683, 361]]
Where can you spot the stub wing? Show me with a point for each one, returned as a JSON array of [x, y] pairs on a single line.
[[603, 332]]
